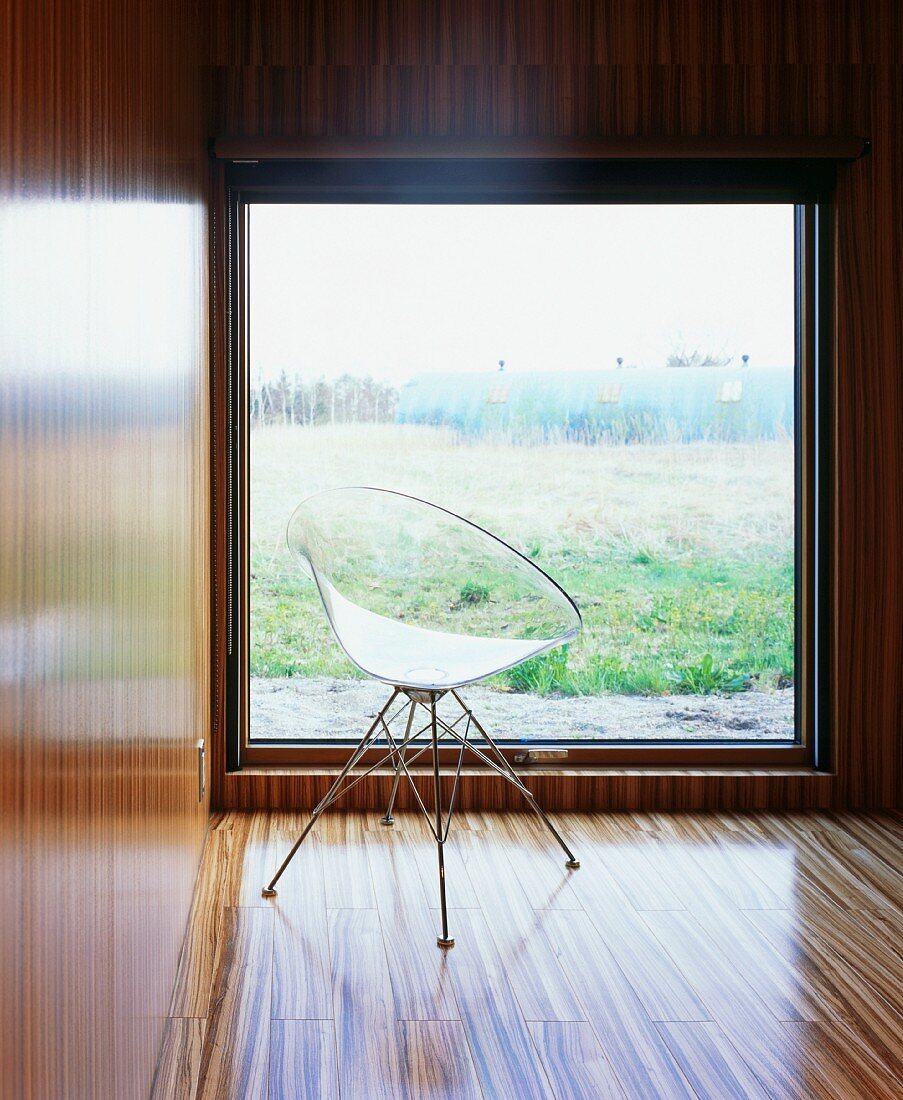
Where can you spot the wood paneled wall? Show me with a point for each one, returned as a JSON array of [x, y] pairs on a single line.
[[104, 627], [578, 68]]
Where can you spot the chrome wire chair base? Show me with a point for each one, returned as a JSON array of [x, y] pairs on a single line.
[[402, 753]]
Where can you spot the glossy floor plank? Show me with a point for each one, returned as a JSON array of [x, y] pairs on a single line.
[[574, 1062], [711, 1063], [736, 1008], [348, 884], [886, 928], [180, 1059], [459, 892], [235, 1057], [628, 1035], [704, 889], [695, 956], [421, 984], [538, 866], [499, 1038], [367, 1049], [437, 1061], [636, 875], [815, 864], [257, 857], [847, 996], [302, 987], [191, 996], [303, 1060], [540, 985], [832, 1067], [663, 990]]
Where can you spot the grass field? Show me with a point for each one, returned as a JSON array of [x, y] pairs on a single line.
[[680, 556]]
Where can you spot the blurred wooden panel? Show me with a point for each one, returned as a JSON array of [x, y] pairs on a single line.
[[266, 148], [104, 627]]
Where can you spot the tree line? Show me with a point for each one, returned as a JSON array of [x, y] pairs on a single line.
[[343, 400]]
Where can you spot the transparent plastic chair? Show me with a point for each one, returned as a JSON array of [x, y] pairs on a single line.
[[427, 602], [420, 597]]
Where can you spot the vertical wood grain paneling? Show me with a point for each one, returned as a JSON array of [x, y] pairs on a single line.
[[104, 627], [657, 68]]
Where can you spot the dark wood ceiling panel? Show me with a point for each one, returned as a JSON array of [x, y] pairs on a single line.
[[554, 32]]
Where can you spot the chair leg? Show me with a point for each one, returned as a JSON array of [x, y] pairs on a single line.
[[269, 890], [387, 818], [511, 775], [445, 940]]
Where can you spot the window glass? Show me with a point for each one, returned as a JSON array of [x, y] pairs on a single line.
[[608, 388]]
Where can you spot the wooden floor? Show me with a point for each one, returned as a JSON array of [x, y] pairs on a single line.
[[709, 956]]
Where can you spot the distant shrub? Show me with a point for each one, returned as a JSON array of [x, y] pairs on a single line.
[[472, 592], [706, 678]]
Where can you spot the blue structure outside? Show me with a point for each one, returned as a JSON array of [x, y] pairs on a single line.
[[626, 405]]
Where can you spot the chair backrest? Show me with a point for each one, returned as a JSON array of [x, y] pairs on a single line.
[[418, 564]]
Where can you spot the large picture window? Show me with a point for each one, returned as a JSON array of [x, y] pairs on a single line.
[[624, 391]]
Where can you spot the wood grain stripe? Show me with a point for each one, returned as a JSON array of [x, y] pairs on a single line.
[[235, 1059], [303, 1060], [302, 987], [421, 983], [574, 1062], [180, 1060], [637, 1053], [370, 1066], [542, 990], [437, 1060], [711, 1064]]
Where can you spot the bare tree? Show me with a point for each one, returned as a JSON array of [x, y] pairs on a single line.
[[683, 357]]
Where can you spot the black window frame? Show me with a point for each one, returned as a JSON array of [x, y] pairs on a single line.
[[808, 184]]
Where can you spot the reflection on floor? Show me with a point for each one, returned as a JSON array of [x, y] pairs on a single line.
[[708, 956]]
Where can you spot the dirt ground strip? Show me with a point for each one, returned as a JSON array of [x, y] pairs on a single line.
[[323, 708]]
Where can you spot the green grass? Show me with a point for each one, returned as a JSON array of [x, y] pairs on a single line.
[[679, 556]]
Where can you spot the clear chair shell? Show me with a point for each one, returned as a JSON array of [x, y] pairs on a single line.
[[422, 598]]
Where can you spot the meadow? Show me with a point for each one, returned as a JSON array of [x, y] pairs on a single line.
[[679, 555]]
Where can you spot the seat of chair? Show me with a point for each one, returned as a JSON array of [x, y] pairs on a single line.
[[415, 657]]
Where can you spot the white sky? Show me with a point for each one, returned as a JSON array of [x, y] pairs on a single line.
[[393, 290]]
